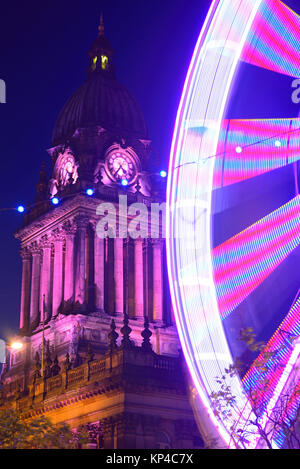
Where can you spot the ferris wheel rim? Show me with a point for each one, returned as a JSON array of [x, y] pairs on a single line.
[[173, 199]]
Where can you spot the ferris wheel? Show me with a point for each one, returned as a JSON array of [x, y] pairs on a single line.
[[233, 216]]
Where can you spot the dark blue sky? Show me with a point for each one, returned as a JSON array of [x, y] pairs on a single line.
[[43, 60]]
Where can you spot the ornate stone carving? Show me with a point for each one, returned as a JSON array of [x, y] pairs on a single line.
[[55, 368], [90, 355], [25, 253], [69, 228], [58, 235], [81, 222], [36, 368], [112, 336], [126, 331], [35, 248], [45, 242], [146, 334], [95, 435], [67, 362], [74, 341], [71, 205], [65, 171], [48, 362]]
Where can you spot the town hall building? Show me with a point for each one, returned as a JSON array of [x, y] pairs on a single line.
[[100, 345]]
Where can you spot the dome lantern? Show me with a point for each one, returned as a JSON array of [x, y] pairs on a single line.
[[101, 52], [101, 100]]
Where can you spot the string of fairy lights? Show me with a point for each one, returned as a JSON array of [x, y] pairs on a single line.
[[90, 192], [163, 173], [239, 148]]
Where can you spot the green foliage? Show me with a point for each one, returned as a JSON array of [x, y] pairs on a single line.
[[39, 433]]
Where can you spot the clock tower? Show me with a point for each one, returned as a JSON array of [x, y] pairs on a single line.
[[100, 343]]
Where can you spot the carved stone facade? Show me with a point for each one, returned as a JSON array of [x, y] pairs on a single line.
[[100, 345], [68, 268], [127, 397]]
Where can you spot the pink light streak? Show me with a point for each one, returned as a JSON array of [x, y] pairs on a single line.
[[259, 153], [244, 261], [290, 327], [202, 106], [275, 383], [273, 43]]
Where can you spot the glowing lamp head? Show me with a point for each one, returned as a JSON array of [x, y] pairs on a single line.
[[89, 192], [277, 143], [163, 173], [16, 345], [124, 182], [55, 200], [104, 62], [21, 209], [239, 149]]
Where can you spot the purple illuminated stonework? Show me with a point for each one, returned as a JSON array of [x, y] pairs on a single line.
[[110, 357]]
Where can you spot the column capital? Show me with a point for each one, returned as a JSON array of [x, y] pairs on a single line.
[[45, 242], [69, 228], [25, 253], [93, 224], [58, 235], [81, 222], [35, 248]]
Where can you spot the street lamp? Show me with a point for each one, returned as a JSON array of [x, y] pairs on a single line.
[[16, 345], [5, 348]]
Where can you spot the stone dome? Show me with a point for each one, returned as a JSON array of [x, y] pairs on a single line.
[[101, 100]]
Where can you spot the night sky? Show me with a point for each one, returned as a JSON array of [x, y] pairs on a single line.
[[43, 60]]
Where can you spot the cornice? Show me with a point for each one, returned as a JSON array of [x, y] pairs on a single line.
[[78, 205]]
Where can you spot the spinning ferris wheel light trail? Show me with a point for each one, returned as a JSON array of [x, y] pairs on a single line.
[[223, 255]]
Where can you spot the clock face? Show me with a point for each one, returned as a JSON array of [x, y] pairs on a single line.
[[67, 170], [120, 166]]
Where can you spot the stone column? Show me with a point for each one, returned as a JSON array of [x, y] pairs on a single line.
[[157, 280], [108, 426], [99, 272], [118, 275], [80, 293], [57, 272], [138, 278], [35, 284], [25, 288], [70, 231], [45, 288]]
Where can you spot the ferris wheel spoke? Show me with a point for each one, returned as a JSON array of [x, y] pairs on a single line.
[[272, 43], [279, 357], [249, 148], [244, 261]]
